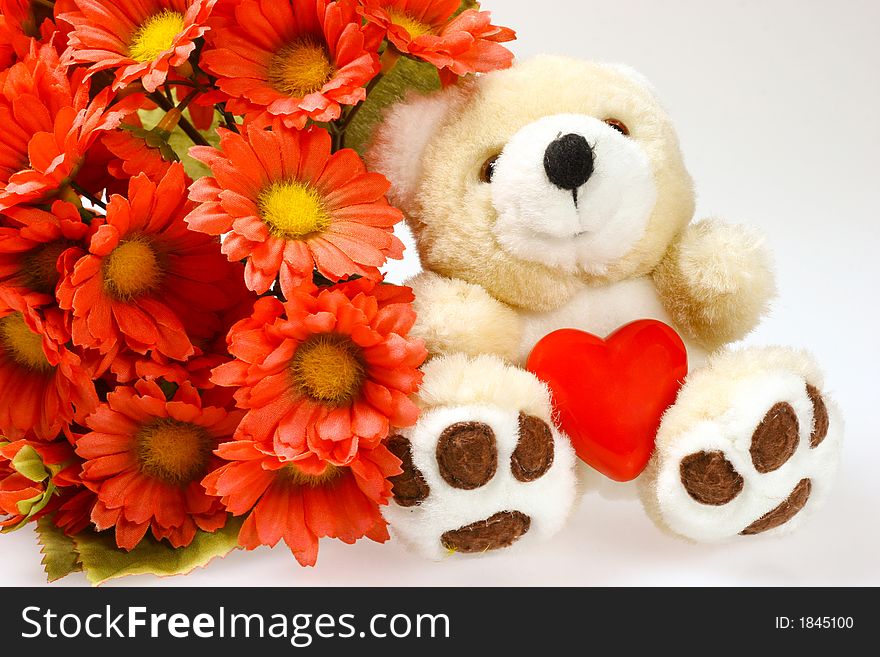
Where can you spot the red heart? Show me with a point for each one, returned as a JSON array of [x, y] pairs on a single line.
[[611, 394]]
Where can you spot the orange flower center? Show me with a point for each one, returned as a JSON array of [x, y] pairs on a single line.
[[23, 345], [292, 210], [408, 23], [132, 269], [293, 475], [300, 68], [172, 451], [329, 369], [40, 266], [156, 35]]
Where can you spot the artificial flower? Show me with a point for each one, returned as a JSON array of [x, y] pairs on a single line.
[[140, 40], [304, 500], [146, 281], [327, 372], [33, 478], [290, 206], [291, 60], [31, 242], [44, 385], [429, 30], [49, 123], [145, 458]]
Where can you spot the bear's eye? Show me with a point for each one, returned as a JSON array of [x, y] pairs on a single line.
[[618, 125], [488, 169]]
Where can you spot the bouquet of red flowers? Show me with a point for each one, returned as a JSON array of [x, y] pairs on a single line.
[[197, 348]]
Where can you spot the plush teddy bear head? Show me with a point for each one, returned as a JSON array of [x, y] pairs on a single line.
[[532, 180]]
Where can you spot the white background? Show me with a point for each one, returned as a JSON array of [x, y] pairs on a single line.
[[778, 107]]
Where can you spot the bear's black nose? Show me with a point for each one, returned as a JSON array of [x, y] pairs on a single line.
[[568, 161]]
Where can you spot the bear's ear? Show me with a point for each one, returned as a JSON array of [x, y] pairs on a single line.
[[401, 138], [635, 76]]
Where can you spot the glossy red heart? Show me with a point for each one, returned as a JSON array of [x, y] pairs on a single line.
[[610, 394]]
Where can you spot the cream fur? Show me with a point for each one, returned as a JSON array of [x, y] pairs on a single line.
[[716, 281], [718, 409], [538, 222], [412, 123], [459, 380], [457, 317], [496, 282], [451, 211], [485, 390]]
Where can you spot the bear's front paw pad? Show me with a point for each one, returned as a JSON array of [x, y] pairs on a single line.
[[762, 478], [478, 479]]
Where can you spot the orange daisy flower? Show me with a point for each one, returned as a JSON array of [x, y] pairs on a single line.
[[140, 40], [48, 125], [31, 242], [467, 43], [145, 458], [44, 385], [327, 372], [303, 500], [290, 206], [74, 512], [291, 60], [33, 476], [146, 282]]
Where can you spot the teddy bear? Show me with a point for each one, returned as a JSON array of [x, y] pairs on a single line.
[[553, 195]]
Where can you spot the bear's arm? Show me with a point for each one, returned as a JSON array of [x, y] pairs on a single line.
[[716, 281], [458, 317]]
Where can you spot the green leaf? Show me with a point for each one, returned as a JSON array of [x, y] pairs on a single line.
[[102, 560], [176, 145], [29, 464], [60, 557], [406, 75]]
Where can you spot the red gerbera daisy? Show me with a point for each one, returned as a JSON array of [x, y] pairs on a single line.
[[291, 59], [291, 206], [32, 241], [145, 458], [74, 512], [48, 125], [147, 282], [467, 43], [326, 372], [138, 40], [120, 155], [303, 500], [20, 20], [42, 383]]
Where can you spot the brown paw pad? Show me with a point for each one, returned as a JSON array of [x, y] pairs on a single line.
[[498, 531], [467, 455], [710, 478], [775, 439], [409, 488], [533, 455], [784, 512], [820, 416]]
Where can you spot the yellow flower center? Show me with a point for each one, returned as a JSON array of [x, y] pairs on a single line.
[[292, 210], [132, 269], [300, 68], [329, 369], [172, 451], [408, 23], [23, 345], [40, 266], [293, 475], [155, 36]]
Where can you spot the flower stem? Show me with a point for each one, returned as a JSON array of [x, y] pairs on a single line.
[[92, 199], [195, 136]]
